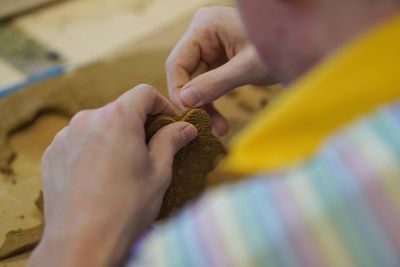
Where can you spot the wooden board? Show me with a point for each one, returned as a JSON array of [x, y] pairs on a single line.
[[11, 7]]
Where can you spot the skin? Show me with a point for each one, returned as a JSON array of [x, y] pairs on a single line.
[[307, 30], [98, 186], [94, 214], [213, 57], [289, 36]]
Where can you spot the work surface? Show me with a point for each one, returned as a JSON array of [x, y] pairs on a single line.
[[105, 63]]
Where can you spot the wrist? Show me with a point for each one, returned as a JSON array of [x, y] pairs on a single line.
[[61, 253], [90, 248]]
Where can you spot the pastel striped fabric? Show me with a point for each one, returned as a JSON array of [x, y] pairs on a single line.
[[340, 208]]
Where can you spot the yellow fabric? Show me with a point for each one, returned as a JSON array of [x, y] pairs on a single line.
[[358, 78]]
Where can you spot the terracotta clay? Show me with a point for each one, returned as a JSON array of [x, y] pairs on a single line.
[[192, 163]]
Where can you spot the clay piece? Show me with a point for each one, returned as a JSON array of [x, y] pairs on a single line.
[[20, 240], [192, 163], [23, 239]]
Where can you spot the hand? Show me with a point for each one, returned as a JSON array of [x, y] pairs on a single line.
[[103, 185], [213, 57]]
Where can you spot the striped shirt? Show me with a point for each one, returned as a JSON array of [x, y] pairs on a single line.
[[339, 208]]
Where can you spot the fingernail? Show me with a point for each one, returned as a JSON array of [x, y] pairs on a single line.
[[191, 96], [217, 131], [189, 133]]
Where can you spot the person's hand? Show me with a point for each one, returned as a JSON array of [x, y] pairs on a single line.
[[103, 185], [213, 57]]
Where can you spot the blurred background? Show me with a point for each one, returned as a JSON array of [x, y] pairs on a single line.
[[58, 57]]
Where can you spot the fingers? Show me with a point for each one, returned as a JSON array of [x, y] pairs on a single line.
[[198, 48], [167, 142], [201, 68], [80, 117], [141, 101], [180, 65], [220, 125], [207, 87]]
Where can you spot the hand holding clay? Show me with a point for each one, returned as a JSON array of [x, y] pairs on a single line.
[[103, 183], [213, 57], [192, 163]]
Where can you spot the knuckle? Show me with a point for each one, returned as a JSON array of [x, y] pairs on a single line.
[[108, 117], [203, 11], [207, 14], [79, 117], [145, 91], [113, 109], [145, 88], [117, 108]]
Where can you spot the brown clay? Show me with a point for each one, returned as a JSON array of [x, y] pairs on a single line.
[[23, 239], [20, 240], [192, 163]]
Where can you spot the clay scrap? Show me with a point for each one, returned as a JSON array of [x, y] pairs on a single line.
[[23, 239], [20, 240], [192, 163]]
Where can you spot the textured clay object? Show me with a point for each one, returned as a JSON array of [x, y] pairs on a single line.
[[23, 239], [192, 163]]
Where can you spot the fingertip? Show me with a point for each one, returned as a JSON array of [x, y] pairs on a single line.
[[219, 131], [220, 126], [190, 96], [189, 132]]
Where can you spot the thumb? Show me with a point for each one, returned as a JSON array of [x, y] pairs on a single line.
[[167, 142], [242, 69]]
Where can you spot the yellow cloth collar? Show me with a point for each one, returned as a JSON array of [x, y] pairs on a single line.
[[359, 77]]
